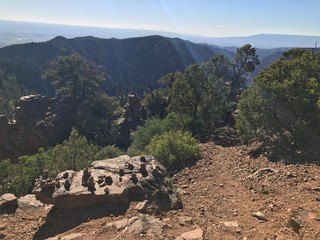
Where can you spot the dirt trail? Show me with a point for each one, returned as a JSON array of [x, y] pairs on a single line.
[[227, 186], [220, 193]]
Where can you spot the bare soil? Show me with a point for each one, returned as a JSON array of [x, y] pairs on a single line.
[[220, 195]]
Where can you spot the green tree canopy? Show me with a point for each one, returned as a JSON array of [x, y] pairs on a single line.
[[244, 62], [205, 94], [77, 83], [74, 77], [283, 105], [199, 97]]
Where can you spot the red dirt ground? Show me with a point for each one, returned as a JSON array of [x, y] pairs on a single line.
[[224, 186]]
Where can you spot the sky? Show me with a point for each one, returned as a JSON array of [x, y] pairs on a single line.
[[212, 18]]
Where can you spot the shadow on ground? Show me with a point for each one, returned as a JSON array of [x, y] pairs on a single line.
[[61, 220], [287, 155], [225, 137]]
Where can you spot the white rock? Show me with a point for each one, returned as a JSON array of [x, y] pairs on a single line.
[[29, 202], [196, 234], [231, 224]]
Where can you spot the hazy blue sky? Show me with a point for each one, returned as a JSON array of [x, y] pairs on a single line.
[[198, 17]]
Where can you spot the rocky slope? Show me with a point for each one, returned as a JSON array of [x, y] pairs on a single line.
[[228, 194]]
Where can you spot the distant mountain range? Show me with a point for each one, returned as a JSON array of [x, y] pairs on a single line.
[[12, 32], [137, 62], [268, 41]]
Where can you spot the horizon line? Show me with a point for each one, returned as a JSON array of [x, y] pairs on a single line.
[[152, 30]]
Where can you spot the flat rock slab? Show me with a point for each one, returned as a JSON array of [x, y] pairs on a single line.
[[118, 180], [196, 234]]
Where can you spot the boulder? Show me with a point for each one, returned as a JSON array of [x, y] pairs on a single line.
[[119, 181], [29, 202], [8, 203]]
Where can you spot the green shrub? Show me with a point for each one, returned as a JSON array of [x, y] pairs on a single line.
[[109, 152], [142, 136], [74, 153], [5, 174], [155, 126], [175, 121], [17, 178], [174, 149]]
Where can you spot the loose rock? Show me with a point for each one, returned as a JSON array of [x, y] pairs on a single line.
[[260, 216], [231, 224], [196, 234]]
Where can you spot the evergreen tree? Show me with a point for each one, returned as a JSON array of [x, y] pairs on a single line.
[[282, 108], [77, 83], [74, 77]]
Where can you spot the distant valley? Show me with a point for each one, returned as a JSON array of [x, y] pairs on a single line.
[[12, 32]]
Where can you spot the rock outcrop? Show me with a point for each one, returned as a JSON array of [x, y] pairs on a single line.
[[42, 121], [105, 187], [38, 122], [134, 115], [118, 180]]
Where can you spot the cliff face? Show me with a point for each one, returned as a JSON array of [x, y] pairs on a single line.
[[38, 123], [42, 121]]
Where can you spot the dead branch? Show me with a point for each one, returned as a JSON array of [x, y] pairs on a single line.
[[262, 170]]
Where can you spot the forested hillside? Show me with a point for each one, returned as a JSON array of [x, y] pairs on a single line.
[[133, 63]]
